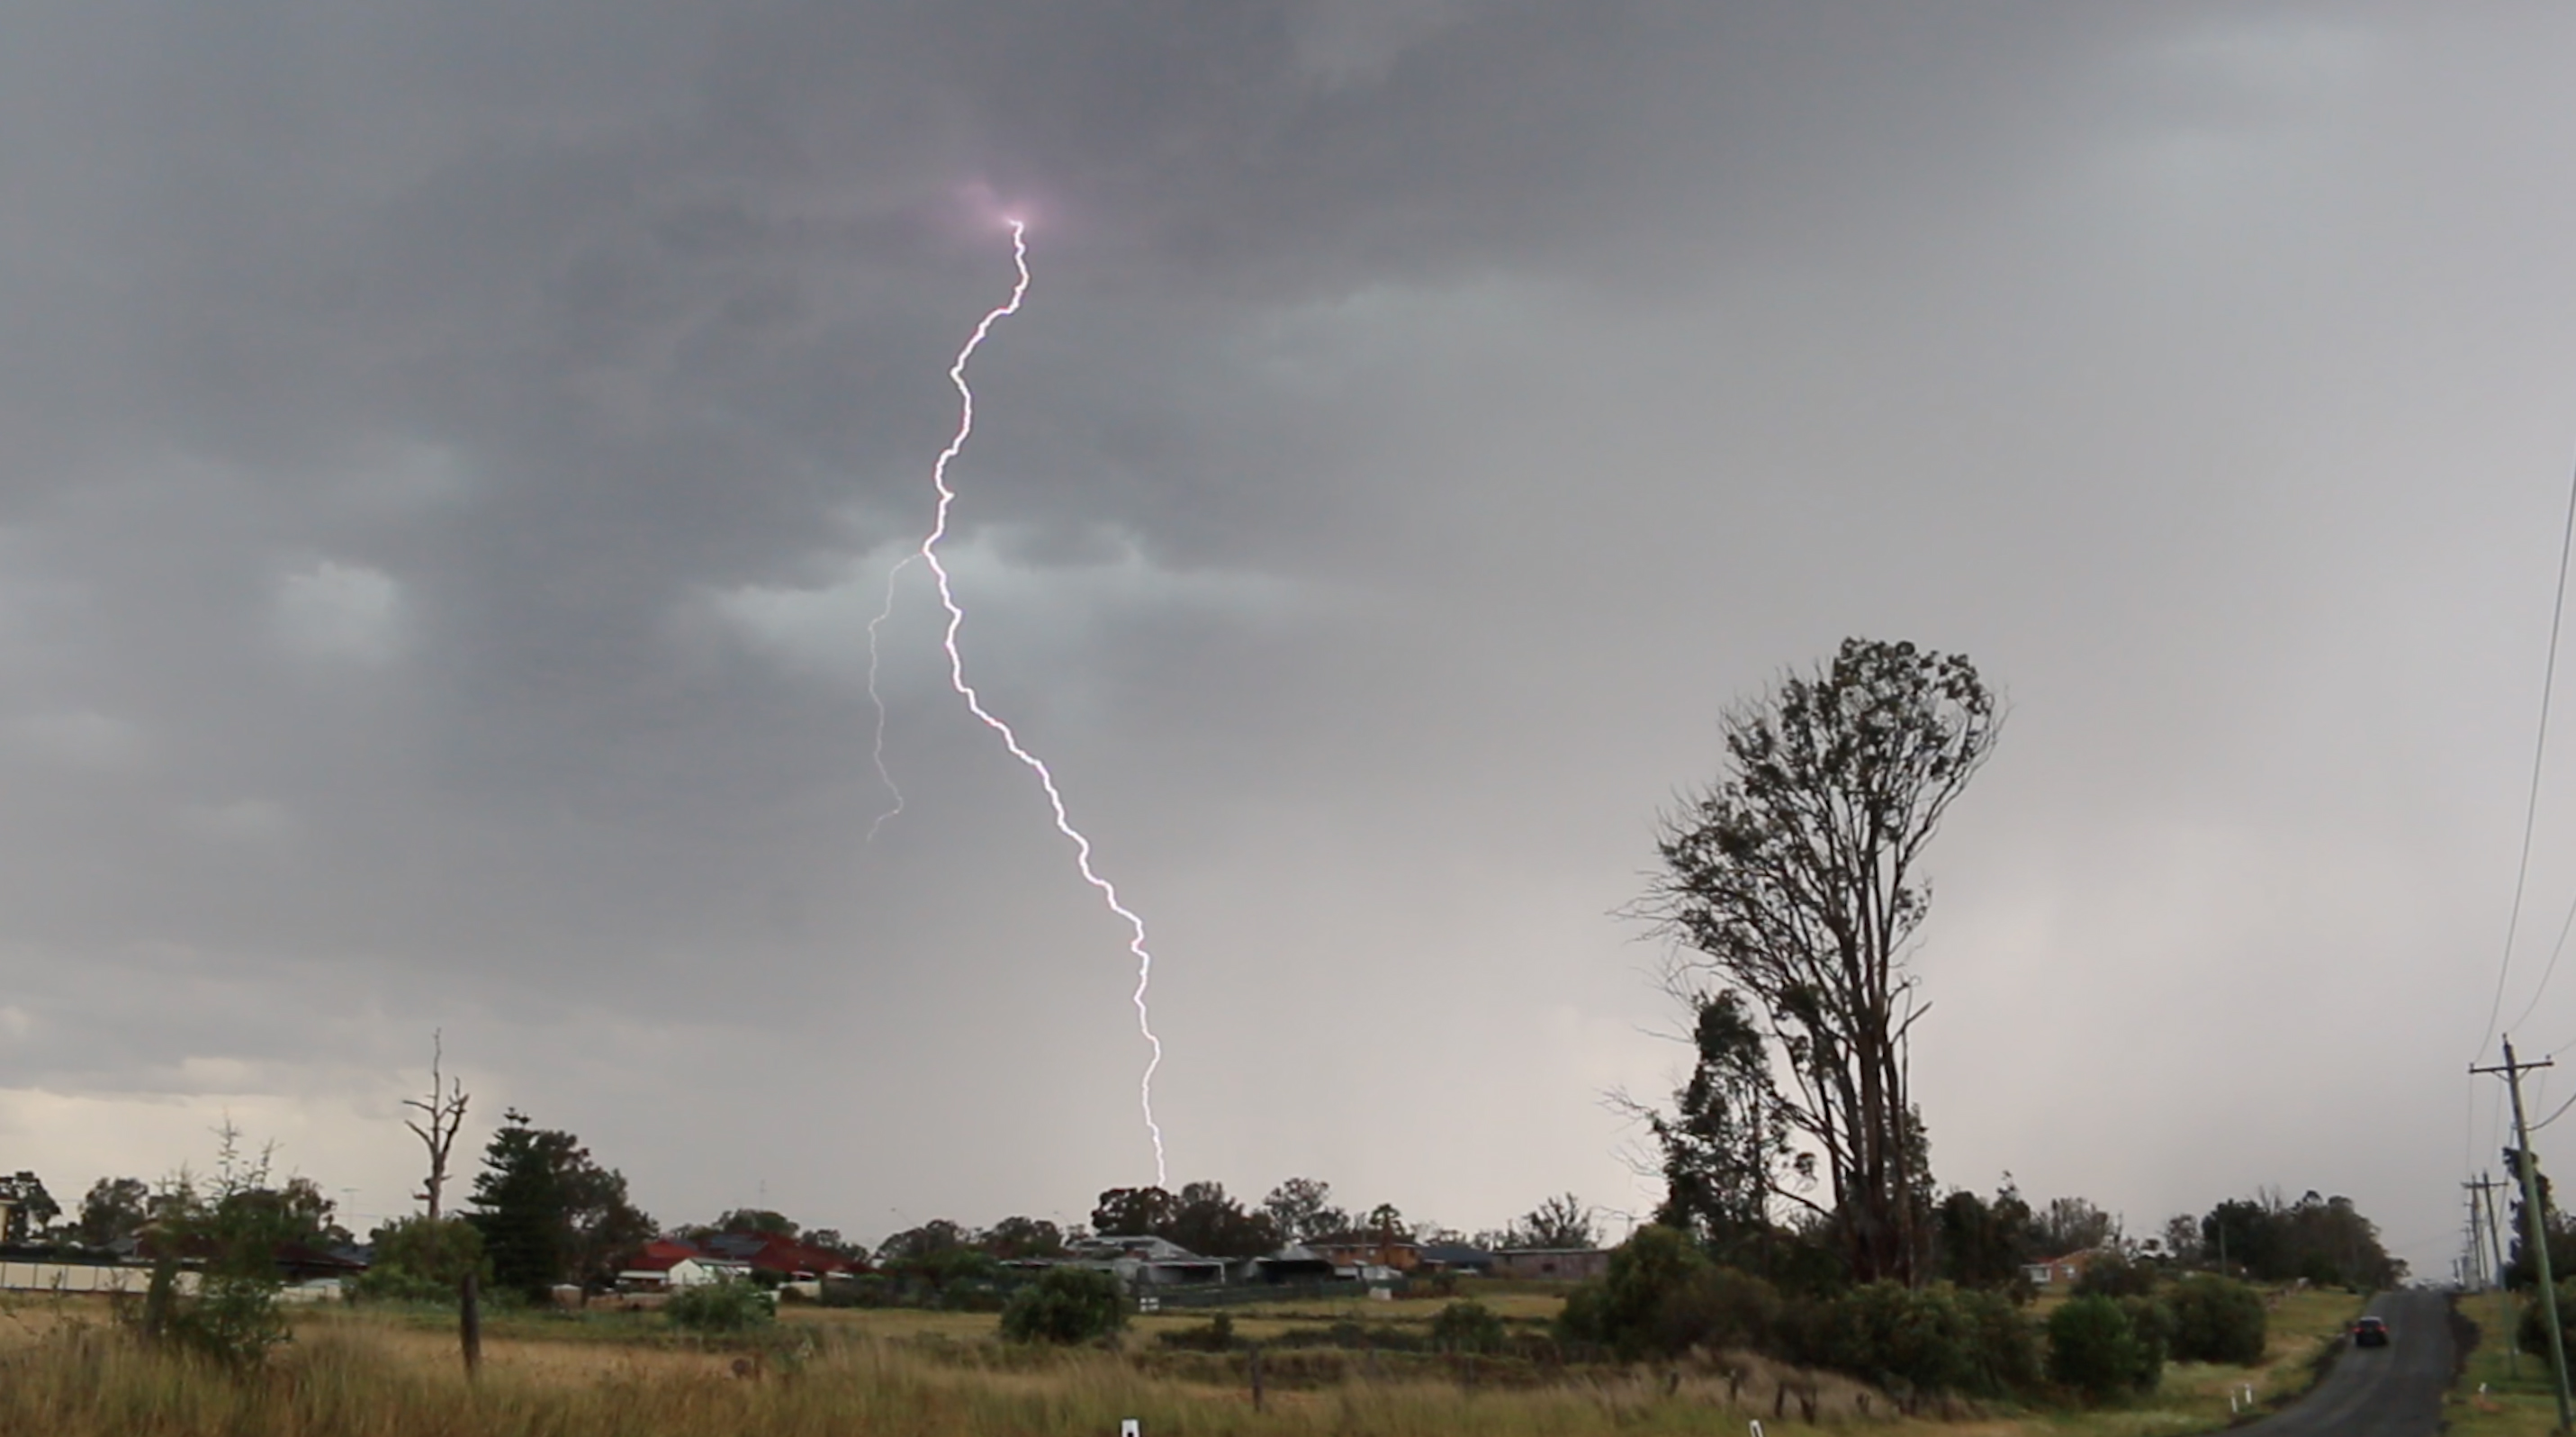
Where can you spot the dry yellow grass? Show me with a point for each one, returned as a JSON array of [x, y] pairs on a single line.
[[64, 1368], [367, 1377]]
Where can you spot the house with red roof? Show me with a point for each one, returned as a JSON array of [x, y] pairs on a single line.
[[670, 1262]]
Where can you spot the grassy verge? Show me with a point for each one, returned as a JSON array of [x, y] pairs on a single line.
[[2500, 1393]]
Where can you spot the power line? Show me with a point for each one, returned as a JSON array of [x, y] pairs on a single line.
[[2553, 1116], [2555, 949], [2539, 753]]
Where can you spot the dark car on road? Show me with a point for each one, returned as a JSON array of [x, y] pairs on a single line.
[[2370, 1332]]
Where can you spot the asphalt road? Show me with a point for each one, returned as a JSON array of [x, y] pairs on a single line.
[[2392, 1391]]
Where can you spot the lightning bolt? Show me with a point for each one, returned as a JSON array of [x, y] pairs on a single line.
[[928, 553]]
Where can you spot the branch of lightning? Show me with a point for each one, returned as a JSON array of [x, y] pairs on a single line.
[[928, 554]]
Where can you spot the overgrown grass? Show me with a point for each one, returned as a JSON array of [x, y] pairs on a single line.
[[393, 1372], [350, 1379], [2501, 1393]]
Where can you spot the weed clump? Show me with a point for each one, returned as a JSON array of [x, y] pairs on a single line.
[[719, 1307]]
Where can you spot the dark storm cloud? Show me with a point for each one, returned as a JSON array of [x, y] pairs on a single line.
[[656, 309], [454, 449]]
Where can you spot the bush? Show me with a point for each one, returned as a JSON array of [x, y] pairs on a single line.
[[1717, 1308], [233, 1319], [1466, 1327], [1933, 1339], [1662, 1296], [1582, 1320], [2093, 1348], [2003, 1345], [719, 1307], [418, 1259], [2532, 1333], [2111, 1274], [2153, 1325], [2217, 1319], [1066, 1305]]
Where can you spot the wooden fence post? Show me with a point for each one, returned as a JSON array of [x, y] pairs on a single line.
[[469, 1322]]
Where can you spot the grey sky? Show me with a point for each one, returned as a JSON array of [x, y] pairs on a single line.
[[455, 450]]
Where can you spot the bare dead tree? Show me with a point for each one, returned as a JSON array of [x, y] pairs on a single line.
[[445, 1112]]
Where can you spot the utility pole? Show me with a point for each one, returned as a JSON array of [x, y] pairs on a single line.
[[2538, 1236], [2473, 1263], [2482, 1205]]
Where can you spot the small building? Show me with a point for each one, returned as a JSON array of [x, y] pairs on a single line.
[[30, 1268], [2060, 1271], [1456, 1257], [1293, 1263], [1350, 1251], [1552, 1264], [780, 1256], [1142, 1261], [667, 1264]]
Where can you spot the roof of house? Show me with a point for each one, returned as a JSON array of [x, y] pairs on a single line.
[[774, 1252], [765, 1252], [1360, 1239], [1141, 1246], [661, 1255], [1455, 1254]]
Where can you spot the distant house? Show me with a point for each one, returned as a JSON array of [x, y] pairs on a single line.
[[2060, 1271], [667, 1264], [1293, 1263], [1557, 1264], [26, 1268], [1139, 1261], [1350, 1251], [778, 1254], [1456, 1257]]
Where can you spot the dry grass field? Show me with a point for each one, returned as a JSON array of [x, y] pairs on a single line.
[[66, 1368]]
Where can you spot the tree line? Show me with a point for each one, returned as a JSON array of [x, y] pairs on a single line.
[[543, 1212]]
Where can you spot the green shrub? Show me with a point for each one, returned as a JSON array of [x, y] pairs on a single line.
[[719, 1307], [2532, 1333], [237, 1226], [2111, 1274], [1662, 1296], [2093, 1348], [1581, 1320], [2217, 1319], [1066, 1305], [418, 1259], [1717, 1308], [1929, 1339], [2153, 1325], [2003, 1345], [1467, 1327], [233, 1319]]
